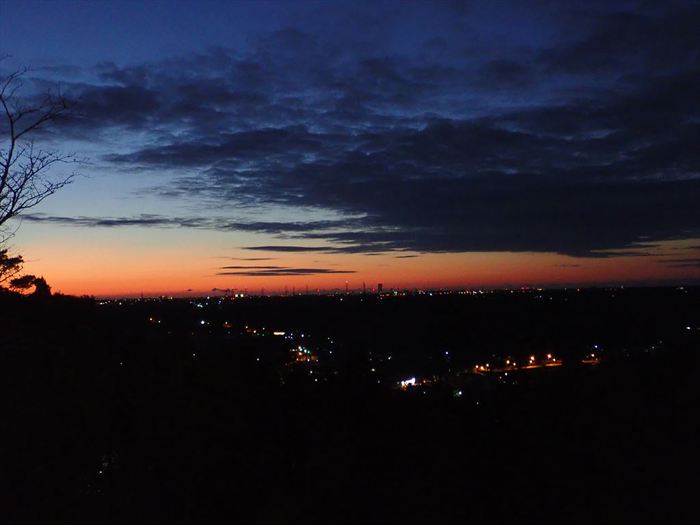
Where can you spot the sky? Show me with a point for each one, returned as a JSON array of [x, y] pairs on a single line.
[[264, 145]]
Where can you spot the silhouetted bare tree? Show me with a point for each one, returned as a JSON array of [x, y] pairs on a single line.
[[25, 180]]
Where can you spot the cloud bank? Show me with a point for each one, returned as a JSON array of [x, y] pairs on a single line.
[[586, 142]]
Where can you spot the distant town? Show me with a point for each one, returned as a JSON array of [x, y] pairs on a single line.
[[445, 362], [292, 404]]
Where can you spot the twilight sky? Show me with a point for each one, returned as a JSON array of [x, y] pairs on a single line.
[[418, 144]]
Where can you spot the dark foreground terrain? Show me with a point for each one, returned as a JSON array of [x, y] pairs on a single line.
[[221, 411]]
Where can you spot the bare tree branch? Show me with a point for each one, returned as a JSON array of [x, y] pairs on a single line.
[[25, 179]]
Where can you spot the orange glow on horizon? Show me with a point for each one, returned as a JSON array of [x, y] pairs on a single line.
[[112, 271]]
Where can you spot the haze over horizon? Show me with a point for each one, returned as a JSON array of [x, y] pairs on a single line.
[[241, 145]]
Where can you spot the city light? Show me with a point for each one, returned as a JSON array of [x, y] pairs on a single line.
[[407, 382]]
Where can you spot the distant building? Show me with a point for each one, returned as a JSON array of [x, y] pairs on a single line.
[[380, 288]]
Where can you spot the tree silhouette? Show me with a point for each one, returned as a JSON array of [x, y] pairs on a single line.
[[11, 278], [41, 287], [25, 180], [10, 267]]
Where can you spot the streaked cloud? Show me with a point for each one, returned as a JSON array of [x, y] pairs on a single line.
[[583, 144], [277, 271]]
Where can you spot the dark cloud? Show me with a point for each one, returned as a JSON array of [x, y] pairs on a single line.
[[236, 267], [250, 258], [505, 74], [291, 249], [604, 254], [688, 264], [682, 263], [584, 143], [278, 271], [151, 220], [591, 183], [144, 220], [628, 37]]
